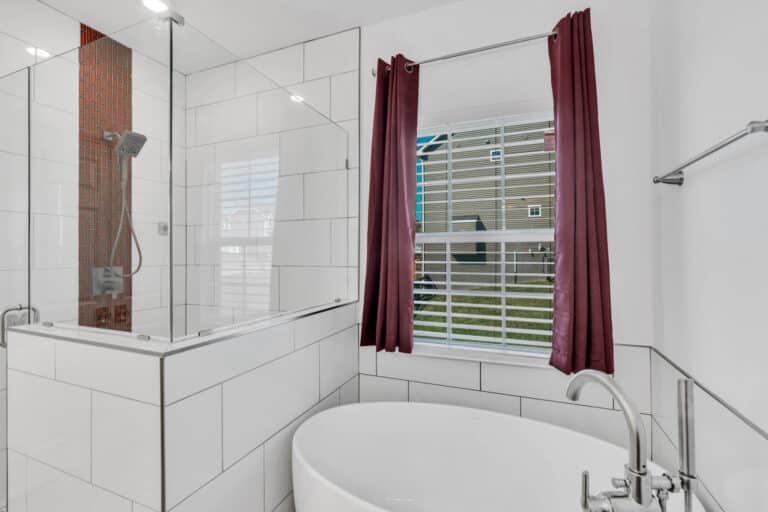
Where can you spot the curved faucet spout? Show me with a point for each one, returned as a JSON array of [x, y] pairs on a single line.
[[638, 447]]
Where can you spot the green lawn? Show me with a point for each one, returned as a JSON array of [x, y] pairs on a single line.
[[480, 304]]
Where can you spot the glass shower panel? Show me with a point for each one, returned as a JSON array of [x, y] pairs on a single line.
[[269, 225], [100, 170]]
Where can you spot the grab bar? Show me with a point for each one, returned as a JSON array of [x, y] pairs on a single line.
[[4, 318]]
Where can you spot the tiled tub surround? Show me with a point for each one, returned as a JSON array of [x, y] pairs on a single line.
[[245, 135], [732, 457], [88, 419]]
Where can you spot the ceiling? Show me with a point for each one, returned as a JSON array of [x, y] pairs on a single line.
[[243, 27]]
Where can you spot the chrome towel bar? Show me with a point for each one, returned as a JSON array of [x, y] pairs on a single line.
[[677, 177]]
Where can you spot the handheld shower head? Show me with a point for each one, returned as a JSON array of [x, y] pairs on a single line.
[[130, 144]]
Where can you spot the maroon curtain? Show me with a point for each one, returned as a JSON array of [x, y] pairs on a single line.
[[582, 334], [388, 299]]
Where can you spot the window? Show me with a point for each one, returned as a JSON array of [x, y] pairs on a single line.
[[484, 266]]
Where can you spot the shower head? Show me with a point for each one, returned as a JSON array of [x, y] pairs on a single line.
[[130, 144]]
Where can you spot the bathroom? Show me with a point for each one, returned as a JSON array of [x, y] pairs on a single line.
[[205, 237]]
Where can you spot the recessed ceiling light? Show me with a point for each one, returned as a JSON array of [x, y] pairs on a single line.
[[155, 5], [297, 98], [38, 52]]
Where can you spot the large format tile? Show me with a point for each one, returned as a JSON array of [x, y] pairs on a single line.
[[325, 194], [13, 230], [315, 327], [117, 372], [606, 424], [210, 86], [331, 55], [633, 374], [292, 238], [432, 370], [277, 456], [731, 457], [196, 369], [13, 174], [286, 388], [329, 285], [192, 443], [319, 148], [538, 381], [239, 489], [290, 198], [381, 389], [419, 392], [50, 421], [282, 67], [368, 360], [338, 360], [664, 379], [349, 393], [32, 354], [345, 96], [50, 489], [232, 119], [126, 448]]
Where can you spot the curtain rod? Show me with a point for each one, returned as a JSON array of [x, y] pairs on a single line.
[[677, 177], [478, 50]]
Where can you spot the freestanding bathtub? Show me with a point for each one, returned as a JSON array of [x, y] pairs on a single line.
[[410, 457]]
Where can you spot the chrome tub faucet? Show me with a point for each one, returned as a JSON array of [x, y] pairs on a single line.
[[638, 490]]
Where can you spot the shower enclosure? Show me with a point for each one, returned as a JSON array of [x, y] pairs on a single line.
[[159, 185]]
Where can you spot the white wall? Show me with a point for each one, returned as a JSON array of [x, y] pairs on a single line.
[[295, 246], [480, 86], [712, 283]]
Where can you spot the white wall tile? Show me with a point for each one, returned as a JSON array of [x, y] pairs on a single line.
[[239, 489], [117, 372], [150, 115], [56, 187], [194, 370], [292, 238], [316, 94], [13, 229], [56, 292], [249, 80], [349, 393], [201, 282], [449, 372], [315, 327], [277, 456], [17, 481], [193, 443], [368, 360], [633, 374], [331, 55], [339, 242], [54, 241], [260, 154], [329, 284], [664, 379], [205, 206], [287, 505], [663, 451], [345, 96], [464, 397], [381, 389], [201, 165], [325, 194], [352, 128], [50, 489], [284, 67], [149, 76], [538, 382], [605, 424], [286, 388], [54, 134], [13, 173], [278, 113], [32, 354], [210, 86], [320, 148], [233, 119], [353, 194], [13, 127], [50, 421], [126, 448], [731, 457], [55, 84], [338, 360], [290, 198]]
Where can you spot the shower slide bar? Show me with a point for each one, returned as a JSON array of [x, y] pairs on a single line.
[[677, 177]]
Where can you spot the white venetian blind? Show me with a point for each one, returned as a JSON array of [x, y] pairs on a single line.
[[485, 218]]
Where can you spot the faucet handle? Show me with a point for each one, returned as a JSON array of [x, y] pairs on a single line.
[[620, 483]]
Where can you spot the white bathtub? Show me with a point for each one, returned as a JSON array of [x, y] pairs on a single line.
[[421, 457]]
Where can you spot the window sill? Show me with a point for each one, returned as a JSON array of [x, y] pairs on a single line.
[[536, 358]]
